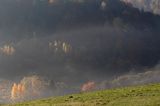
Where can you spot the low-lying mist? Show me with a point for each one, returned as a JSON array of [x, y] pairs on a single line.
[[58, 47]]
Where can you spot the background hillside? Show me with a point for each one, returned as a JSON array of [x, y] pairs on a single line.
[[54, 47]]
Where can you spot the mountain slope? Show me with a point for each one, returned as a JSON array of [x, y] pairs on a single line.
[[147, 95]]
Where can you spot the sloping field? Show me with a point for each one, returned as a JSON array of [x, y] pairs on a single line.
[[146, 95]]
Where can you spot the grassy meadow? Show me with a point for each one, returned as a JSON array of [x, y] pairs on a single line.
[[146, 95]]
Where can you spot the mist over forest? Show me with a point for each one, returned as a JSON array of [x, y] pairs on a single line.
[[61, 44]]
